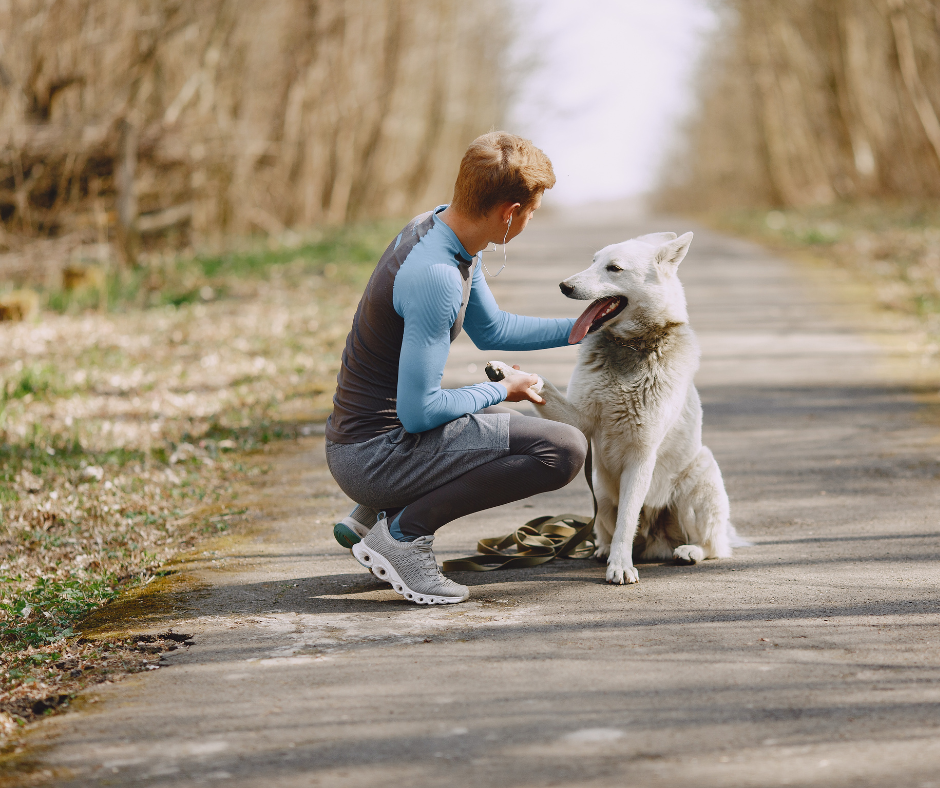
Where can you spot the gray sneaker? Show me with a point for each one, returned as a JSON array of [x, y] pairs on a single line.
[[410, 567]]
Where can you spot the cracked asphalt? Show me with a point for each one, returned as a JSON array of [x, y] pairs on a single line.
[[808, 659]]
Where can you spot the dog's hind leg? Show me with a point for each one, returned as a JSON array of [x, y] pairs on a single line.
[[703, 512], [654, 540]]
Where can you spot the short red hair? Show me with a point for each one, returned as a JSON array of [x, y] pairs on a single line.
[[498, 168]]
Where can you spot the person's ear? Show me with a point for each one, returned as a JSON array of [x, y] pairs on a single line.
[[509, 211]]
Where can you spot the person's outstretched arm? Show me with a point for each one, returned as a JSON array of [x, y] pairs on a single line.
[[429, 301], [492, 329]]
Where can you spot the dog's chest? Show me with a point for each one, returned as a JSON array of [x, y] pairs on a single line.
[[612, 397], [624, 394]]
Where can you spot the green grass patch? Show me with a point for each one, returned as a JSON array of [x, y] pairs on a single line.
[[28, 382], [346, 255], [35, 380], [45, 612], [343, 253]]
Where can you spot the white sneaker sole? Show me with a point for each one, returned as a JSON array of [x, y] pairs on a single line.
[[383, 570]]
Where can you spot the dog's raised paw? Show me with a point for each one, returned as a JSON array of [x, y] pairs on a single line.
[[688, 554], [497, 371], [602, 551], [622, 575]]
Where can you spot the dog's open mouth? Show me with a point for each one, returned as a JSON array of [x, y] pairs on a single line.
[[598, 313]]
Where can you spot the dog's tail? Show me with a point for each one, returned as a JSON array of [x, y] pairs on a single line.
[[735, 539]]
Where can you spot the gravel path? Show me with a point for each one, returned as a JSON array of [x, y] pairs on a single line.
[[809, 659]]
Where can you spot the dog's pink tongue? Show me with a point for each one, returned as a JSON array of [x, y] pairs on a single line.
[[583, 324]]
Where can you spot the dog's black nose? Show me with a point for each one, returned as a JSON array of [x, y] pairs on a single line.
[[566, 289]]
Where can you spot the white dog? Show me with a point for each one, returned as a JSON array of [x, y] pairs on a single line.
[[632, 395]]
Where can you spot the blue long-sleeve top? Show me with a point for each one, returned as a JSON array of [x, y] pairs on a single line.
[[424, 290], [428, 295]]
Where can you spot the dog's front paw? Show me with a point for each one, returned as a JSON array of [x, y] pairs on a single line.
[[497, 371], [688, 554], [618, 574]]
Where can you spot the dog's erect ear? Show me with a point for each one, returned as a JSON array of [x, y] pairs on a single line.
[[671, 253], [655, 239]]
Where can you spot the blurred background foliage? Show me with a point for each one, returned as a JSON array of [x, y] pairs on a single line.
[[810, 102], [816, 131], [149, 123]]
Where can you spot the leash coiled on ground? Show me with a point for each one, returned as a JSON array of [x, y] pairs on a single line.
[[537, 542]]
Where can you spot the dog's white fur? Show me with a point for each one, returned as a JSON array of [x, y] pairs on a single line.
[[659, 491]]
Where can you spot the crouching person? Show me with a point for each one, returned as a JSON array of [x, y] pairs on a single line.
[[415, 456]]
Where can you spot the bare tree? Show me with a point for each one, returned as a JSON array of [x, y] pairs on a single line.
[[229, 116], [810, 101]]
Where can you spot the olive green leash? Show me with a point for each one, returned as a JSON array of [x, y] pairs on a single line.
[[537, 542]]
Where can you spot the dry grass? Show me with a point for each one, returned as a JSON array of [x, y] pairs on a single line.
[[121, 433]]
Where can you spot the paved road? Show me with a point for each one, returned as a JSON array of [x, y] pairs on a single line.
[[809, 659]]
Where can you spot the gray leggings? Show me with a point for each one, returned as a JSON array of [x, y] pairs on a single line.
[[540, 456]]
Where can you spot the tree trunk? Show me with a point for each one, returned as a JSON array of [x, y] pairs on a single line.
[[126, 194]]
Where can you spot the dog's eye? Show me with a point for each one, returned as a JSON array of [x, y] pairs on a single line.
[[614, 268]]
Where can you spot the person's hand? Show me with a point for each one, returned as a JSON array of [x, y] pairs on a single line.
[[518, 388]]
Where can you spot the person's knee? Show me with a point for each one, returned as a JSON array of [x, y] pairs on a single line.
[[570, 450]]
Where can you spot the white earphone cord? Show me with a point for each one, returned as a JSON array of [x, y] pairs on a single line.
[[493, 276]]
